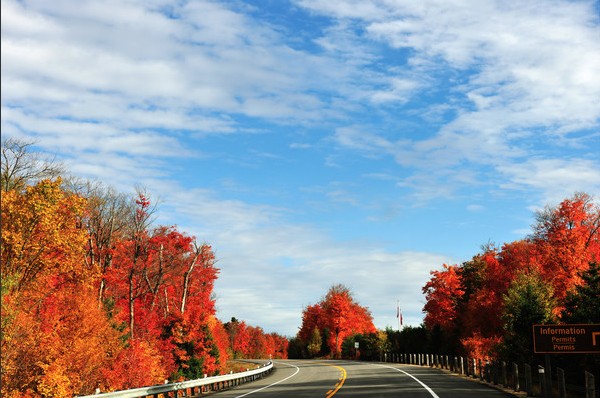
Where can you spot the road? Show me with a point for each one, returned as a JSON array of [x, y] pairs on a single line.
[[340, 379]]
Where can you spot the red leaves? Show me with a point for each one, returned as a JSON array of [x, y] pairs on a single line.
[[252, 342], [135, 366], [338, 315], [567, 239], [479, 347], [442, 293]]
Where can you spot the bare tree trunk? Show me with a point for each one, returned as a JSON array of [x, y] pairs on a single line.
[[186, 277], [101, 292], [166, 303], [131, 305]]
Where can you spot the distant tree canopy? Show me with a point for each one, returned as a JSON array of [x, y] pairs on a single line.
[[336, 317]]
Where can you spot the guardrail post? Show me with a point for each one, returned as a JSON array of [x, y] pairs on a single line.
[[515, 374], [528, 380], [590, 387], [504, 375], [562, 391], [542, 375]]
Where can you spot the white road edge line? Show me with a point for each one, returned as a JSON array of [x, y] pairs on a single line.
[[277, 382], [425, 386]]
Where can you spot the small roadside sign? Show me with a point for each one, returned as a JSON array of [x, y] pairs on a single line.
[[356, 344], [566, 339]]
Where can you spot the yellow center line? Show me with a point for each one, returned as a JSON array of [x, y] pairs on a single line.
[[338, 385]]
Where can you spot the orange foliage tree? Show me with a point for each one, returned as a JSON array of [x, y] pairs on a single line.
[[247, 341], [442, 293], [567, 239], [337, 316]]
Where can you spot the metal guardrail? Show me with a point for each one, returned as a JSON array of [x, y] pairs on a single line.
[[213, 383]]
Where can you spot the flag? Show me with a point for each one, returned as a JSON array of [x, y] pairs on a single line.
[[399, 315]]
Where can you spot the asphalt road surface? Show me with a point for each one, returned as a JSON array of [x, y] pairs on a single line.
[[340, 379]]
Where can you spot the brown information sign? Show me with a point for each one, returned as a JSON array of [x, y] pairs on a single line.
[[566, 339]]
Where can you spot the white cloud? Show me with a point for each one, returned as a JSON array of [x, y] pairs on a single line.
[[176, 71], [272, 268], [556, 178], [526, 74]]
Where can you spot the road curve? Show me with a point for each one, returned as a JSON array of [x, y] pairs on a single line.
[[340, 379]]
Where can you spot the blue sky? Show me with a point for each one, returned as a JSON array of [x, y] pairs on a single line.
[[315, 142]]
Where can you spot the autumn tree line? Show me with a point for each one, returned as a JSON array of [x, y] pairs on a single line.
[[94, 295], [485, 307]]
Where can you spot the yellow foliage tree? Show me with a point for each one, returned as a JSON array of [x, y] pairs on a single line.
[[55, 339]]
